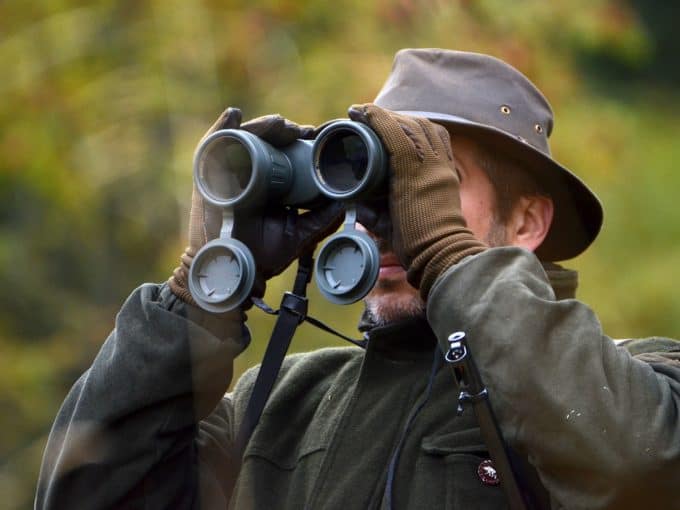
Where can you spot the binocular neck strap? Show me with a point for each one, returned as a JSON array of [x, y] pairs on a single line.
[[292, 312]]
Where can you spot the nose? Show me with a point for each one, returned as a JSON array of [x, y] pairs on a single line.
[[361, 228]]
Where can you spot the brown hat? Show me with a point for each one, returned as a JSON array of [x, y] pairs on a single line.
[[489, 100]]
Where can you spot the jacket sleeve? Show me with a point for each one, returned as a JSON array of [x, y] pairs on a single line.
[[601, 427], [146, 426]]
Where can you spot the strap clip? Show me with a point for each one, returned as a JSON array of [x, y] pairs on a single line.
[[297, 305], [457, 348]]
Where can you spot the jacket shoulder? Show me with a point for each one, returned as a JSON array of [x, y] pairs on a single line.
[[653, 349]]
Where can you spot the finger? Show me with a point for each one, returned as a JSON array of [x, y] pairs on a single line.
[[445, 140], [228, 119], [307, 132], [260, 125], [319, 223], [358, 113], [401, 135], [231, 118], [378, 117], [276, 130], [438, 138], [428, 129]]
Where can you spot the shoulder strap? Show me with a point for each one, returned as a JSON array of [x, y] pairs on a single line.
[[473, 391]]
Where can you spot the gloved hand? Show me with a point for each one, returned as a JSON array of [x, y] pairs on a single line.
[[429, 233], [277, 235]]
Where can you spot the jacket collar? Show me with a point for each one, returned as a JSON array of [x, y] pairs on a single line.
[[399, 336], [396, 340], [563, 281]]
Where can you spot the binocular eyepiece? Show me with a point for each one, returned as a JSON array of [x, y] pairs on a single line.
[[236, 170]]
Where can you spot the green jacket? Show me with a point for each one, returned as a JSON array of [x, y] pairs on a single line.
[[147, 425]]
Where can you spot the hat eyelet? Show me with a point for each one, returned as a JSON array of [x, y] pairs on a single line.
[[505, 109], [538, 128]]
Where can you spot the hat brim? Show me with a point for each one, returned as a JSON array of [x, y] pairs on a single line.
[[578, 213]]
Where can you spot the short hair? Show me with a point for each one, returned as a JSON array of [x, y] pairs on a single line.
[[509, 180]]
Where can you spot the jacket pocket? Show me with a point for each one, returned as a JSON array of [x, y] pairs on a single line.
[[462, 461], [276, 477], [279, 467]]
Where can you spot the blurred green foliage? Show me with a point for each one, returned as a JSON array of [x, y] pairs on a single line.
[[102, 103]]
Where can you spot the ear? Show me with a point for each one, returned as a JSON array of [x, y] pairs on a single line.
[[530, 222]]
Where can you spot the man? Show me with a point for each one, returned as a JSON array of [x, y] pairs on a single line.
[[469, 218]]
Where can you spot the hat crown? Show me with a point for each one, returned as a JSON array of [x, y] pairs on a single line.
[[484, 98], [470, 86]]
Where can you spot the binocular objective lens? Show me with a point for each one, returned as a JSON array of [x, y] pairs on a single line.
[[226, 168], [343, 161]]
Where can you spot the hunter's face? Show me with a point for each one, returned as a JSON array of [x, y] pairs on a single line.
[[392, 298]]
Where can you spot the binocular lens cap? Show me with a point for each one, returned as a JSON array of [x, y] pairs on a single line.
[[222, 275], [347, 267]]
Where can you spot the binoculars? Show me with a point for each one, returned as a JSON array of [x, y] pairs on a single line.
[[236, 170]]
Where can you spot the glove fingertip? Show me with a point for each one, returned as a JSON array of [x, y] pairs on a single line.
[[231, 118], [358, 113], [307, 132]]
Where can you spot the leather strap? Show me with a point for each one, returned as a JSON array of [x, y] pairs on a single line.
[[472, 390]]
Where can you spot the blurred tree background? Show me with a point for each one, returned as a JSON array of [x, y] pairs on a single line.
[[102, 103]]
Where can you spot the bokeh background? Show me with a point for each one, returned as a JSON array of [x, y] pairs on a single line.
[[102, 103]]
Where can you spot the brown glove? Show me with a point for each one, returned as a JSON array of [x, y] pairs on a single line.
[[277, 235], [429, 233]]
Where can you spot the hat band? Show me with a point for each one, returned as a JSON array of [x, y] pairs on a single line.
[[445, 117]]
